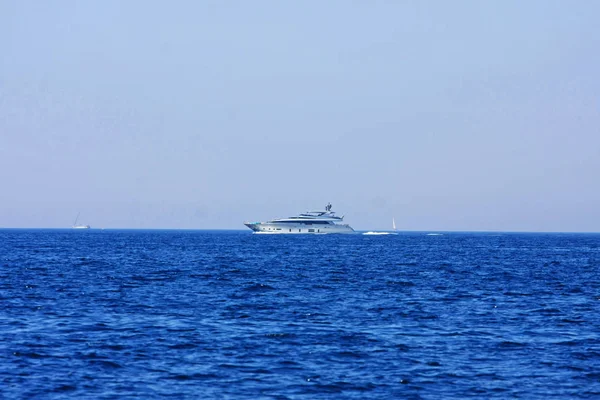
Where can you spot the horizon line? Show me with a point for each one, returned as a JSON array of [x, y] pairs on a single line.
[[248, 231]]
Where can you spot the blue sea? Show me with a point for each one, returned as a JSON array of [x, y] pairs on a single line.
[[231, 315]]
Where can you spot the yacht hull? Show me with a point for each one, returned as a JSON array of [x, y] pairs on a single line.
[[296, 229]]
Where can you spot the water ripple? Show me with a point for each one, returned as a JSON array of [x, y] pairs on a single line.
[[153, 314]]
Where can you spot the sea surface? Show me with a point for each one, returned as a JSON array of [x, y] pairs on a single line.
[[231, 315]]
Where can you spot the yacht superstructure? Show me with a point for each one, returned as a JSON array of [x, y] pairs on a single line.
[[310, 222]]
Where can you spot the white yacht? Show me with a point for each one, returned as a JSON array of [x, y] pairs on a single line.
[[310, 222]]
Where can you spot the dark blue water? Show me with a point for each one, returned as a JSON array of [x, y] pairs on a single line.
[[184, 314]]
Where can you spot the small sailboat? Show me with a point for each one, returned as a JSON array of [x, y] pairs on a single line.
[[394, 231], [75, 226]]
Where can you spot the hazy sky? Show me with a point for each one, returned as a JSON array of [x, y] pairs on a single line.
[[447, 115]]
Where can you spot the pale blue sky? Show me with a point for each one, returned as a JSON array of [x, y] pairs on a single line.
[[447, 115]]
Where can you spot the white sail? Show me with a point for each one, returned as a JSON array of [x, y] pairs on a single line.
[[393, 223], [75, 226]]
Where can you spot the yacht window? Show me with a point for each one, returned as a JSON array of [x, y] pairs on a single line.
[[306, 222]]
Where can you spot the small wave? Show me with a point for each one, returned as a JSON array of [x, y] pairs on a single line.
[[259, 287], [402, 347], [572, 321], [400, 283], [280, 335], [548, 311], [554, 262], [185, 377], [573, 368], [201, 276], [435, 234], [181, 377], [232, 366], [515, 294], [580, 342], [351, 354], [29, 355], [116, 347], [65, 388], [181, 329], [585, 355], [152, 279], [107, 364], [183, 346], [507, 344]]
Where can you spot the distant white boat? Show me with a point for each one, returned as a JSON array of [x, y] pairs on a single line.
[[75, 226], [393, 232]]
